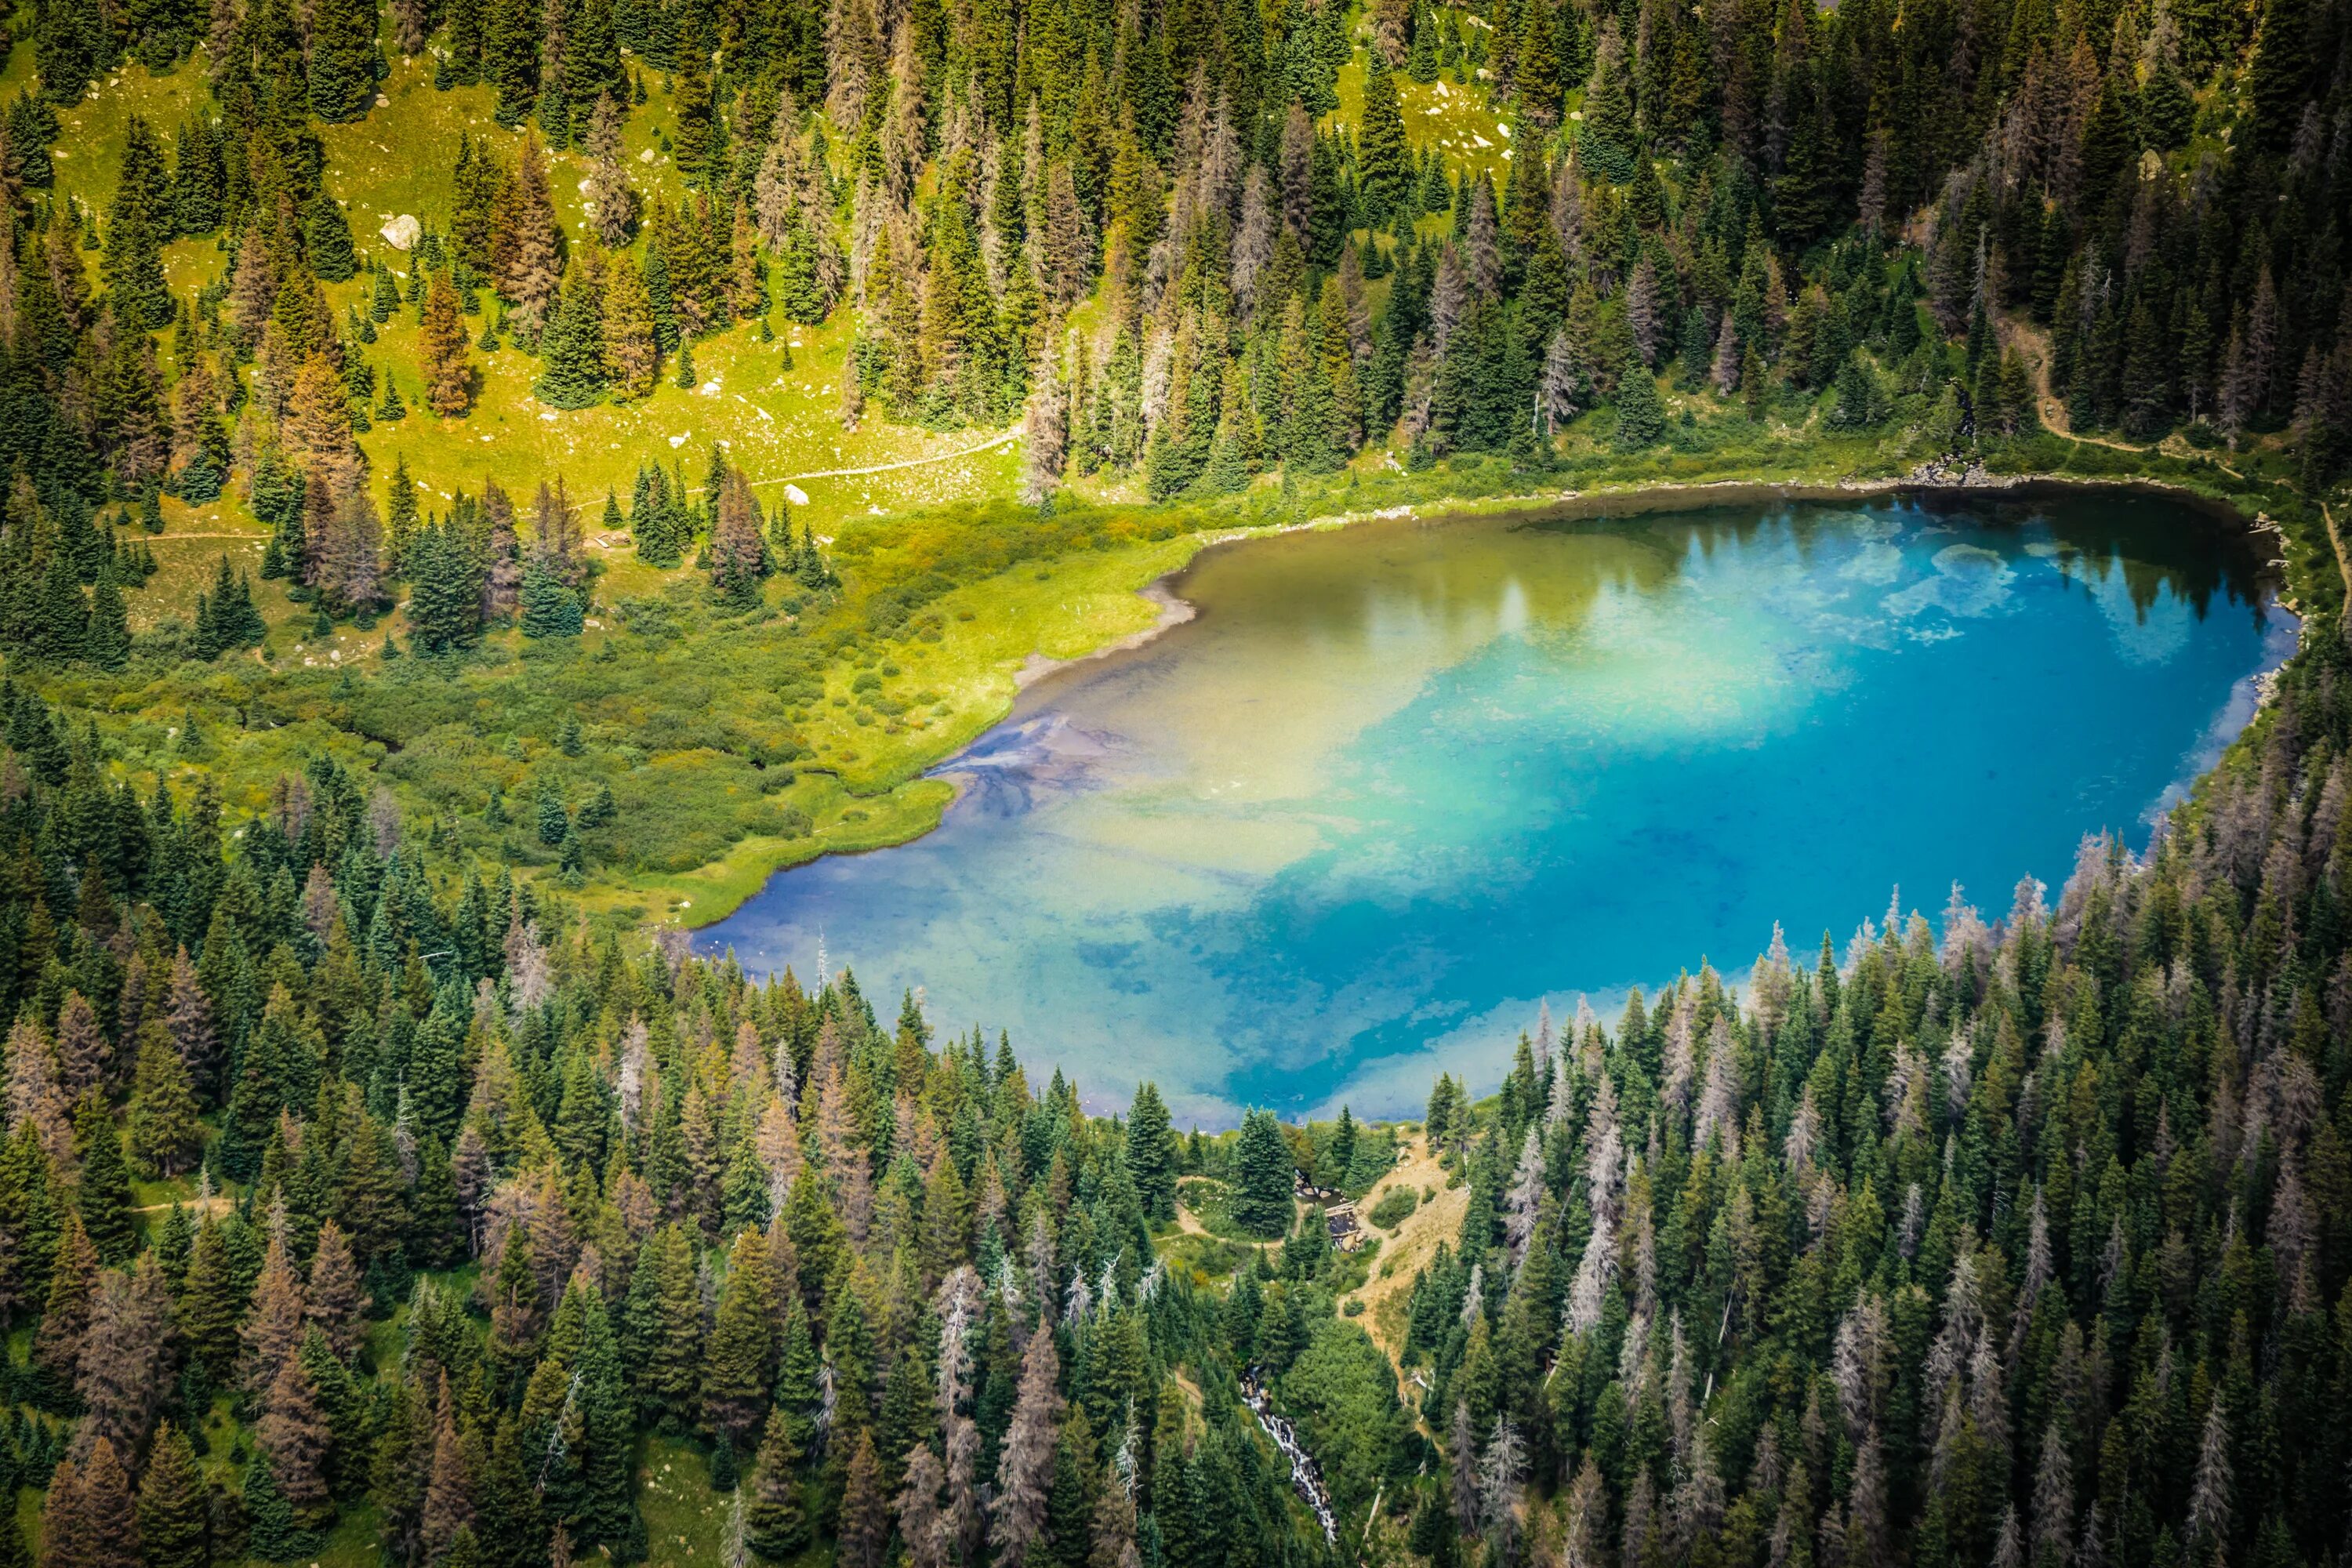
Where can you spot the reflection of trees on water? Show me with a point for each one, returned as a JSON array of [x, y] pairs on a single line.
[[2156, 546]]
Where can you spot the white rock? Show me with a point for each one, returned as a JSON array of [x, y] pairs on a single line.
[[646, 156], [381, 102], [709, 388], [402, 232], [676, 442], [796, 495]]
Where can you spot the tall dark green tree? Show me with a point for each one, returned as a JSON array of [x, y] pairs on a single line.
[[1264, 1176]]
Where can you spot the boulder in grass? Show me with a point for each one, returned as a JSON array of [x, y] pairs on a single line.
[[401, 233]]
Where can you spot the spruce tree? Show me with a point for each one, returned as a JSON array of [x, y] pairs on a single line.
[[548, 608], [105, 1202], [738, 1368], [573, 347], [107, 641], [1151, 1153], [442, 364], [1383, 156], [343, 60], [166, 1135], [327, 230], [273, 1535], [1640, 414], [775, 1522], [138, 224], [1264, 1176]]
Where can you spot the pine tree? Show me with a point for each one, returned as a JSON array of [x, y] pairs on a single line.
[[1025, 1461], [107, 641], [327, 228], [1536, 71], [447, 373], [1151, 1153], [174, 1525], [211, 1302], [632, 356], [529, 259], [1640, 414], [140, 222], [1264, 1176], [738, 1368], [548, 608], [574, 345], [1383, 156], [294, 1434], [336, 1295], [662, 1329], [342, 59], [775, 1524], [273, 1534], [106, 1203], [510, 55], [738, 555], [274, 1332], [165, 1133], [864, 1511]]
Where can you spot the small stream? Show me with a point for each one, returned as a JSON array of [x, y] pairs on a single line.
[[1305, 1478]]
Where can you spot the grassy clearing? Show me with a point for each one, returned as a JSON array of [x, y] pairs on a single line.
[[1407, 1249], [1453, 117]]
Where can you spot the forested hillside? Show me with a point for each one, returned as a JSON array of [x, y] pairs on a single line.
[[489, 1243], [484, 476], [589, 349], [2019, 1242]]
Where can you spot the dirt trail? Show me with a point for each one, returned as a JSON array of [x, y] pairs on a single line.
[[2034, 343], [1006, 439], [1406, 1250], [2343, 564]]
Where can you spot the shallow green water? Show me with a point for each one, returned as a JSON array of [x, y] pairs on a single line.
[[1402, 783]]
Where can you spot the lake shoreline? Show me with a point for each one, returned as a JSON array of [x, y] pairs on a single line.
[[1167, 589], [1039, 671]]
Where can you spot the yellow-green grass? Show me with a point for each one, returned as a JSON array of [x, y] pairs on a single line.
[[1061, 609], [844, 825], [1455, 118], [90, 144], [685, 1521]]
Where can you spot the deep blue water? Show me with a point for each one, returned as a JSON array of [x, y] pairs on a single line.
[[1400, 784]]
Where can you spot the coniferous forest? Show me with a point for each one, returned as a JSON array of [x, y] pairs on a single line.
[[386, 1181]]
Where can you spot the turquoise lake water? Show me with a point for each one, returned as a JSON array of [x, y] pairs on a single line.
[[1400, 784]]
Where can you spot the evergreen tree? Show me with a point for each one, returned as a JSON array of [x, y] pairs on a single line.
[[343, 60], [175, 1526], [1383, 156], [573, 346], [141, 219], [548, 608], [775, 1522], [1151, 1153], [107, 642], [165, 1133], [1265, 1175], [447, 373], [106, 1203], [1640, 414]]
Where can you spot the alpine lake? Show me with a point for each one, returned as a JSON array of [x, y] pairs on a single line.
[[1398, 785]]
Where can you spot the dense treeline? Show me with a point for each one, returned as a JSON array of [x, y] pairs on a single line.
[[2027, 1245], [896, 1295], [1914, 221]]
